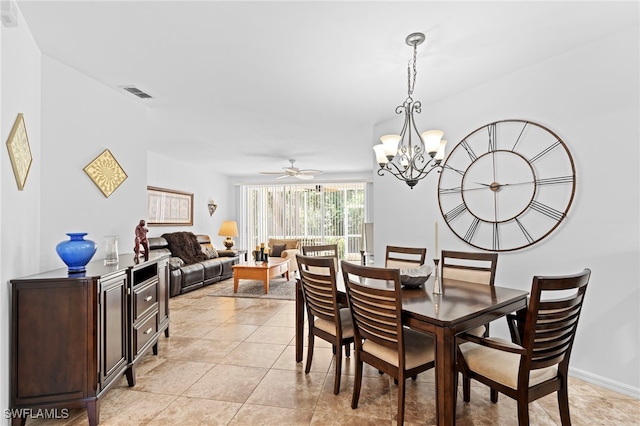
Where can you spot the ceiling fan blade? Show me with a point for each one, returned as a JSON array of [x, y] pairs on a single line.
[[311, 172], [283, 177], [272, 173], [304, 177]]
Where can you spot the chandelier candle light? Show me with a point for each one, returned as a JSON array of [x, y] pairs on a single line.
[[410, 157], [437, 284]]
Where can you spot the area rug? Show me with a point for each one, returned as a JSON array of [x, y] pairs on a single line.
[[279, 288]]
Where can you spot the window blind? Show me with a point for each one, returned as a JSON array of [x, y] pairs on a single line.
[[332, 213]]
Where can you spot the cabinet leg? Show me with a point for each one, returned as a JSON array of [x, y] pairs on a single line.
[[155, 349], [18, 421], [166, 332], [131, 376], [93, 412]]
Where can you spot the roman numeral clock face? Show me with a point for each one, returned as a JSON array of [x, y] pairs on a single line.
[[507, 185]]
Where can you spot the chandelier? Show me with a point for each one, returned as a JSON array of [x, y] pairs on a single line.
[[410, 156]]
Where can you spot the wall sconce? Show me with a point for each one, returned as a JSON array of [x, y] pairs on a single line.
[[212, 207]]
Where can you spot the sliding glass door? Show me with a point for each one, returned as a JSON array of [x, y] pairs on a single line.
[[331, 213]]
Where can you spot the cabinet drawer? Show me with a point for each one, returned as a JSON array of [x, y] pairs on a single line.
[[145, 331], [144, 298]]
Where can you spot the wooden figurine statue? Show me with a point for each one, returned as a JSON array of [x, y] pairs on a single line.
[[141, 239]]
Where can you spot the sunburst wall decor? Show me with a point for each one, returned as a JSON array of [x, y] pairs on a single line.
[[106, 173], [19, 151]]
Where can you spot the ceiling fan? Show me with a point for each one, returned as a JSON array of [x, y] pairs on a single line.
[[293, 171]]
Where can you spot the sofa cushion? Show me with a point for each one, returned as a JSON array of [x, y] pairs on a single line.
[[157, 243], [277, 250], [185, 246], [192, 274], [290, 243], [212, 269]]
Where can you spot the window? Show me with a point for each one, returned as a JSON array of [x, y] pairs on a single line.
[[331, 213]]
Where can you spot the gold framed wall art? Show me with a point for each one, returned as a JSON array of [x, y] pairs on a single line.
[[19, 151], [169, 207], [106, 173]]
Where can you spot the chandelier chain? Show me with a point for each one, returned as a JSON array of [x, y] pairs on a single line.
[[411, 83]]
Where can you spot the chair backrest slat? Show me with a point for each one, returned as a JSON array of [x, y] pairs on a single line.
[[376, 311], [551, 324], [404, 257], [324, 250], [318, 279], [469, 266]]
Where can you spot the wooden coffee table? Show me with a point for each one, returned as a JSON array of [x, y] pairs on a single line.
[[260, 271]]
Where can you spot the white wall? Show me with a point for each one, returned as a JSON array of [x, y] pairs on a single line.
[[80, 119], [19, 210], [589, 97], [166, 172]]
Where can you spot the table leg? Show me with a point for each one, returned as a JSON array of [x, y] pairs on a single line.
[[446, 376], [266, 280], [235, 282], [299, 320]]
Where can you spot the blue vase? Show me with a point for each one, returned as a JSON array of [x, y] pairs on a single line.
[[76, 252]]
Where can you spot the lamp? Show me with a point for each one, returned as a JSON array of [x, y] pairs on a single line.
[[229, 228], [212, 207], [408, 156]]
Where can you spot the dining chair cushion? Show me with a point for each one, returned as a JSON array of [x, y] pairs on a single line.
[[401, 264], [469, 275], [418, 349], [501, 366], [330, 327], [478, 331]]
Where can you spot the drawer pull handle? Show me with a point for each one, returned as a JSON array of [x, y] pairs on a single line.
[[146, 299], [147, 331]]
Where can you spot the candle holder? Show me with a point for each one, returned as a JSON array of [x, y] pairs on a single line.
[[437, 285]]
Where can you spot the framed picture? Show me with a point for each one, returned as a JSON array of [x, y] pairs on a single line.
[[19, 151], [106, 173], [169, 207]]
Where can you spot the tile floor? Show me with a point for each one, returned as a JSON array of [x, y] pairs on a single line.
[[230, 361]]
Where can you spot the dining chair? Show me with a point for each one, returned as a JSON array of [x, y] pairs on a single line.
[[472, 267], [540, 364], [404, 257], [380, 338], [477, 268], [325, 318], [324, 250]]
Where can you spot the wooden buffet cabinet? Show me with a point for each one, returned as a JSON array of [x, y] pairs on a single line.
[[74, 335]]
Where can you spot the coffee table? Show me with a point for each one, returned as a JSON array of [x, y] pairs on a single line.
[[260, 271]]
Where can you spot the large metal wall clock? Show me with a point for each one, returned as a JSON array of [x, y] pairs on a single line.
[[507, 185]]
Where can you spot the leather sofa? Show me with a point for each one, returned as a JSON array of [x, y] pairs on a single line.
[[187, 277]]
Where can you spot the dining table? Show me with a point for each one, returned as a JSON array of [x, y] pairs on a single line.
[[461, 306]]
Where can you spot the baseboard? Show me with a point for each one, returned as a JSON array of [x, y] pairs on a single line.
[[605, 383]]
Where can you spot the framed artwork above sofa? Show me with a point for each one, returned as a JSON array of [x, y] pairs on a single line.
[[169, 207]]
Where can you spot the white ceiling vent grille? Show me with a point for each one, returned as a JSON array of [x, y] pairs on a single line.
[[135, 91]]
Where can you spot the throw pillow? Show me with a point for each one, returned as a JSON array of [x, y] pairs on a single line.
[[277, 250], [176, 262], [211, 252]]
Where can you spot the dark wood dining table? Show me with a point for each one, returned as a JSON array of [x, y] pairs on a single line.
[[461, 306]]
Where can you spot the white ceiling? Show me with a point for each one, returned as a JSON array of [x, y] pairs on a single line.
[[268, 81]]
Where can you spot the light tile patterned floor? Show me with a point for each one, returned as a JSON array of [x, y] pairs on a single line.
[[230, 361]]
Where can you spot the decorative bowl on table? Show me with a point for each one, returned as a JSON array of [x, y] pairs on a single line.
[[415, 277]]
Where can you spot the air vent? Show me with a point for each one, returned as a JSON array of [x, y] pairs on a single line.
[[139, 93]]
